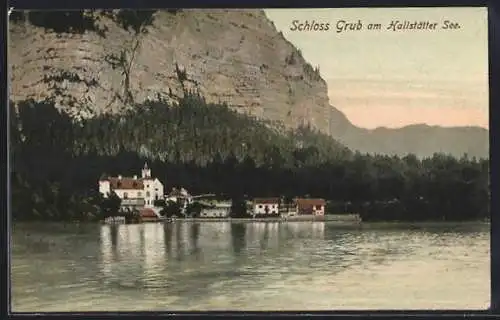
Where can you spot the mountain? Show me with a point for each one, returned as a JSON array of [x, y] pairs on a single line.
[[97, 62], [420, 139]]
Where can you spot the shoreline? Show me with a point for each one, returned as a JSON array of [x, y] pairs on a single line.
[[367, 224], [351, 222], [352, 219], [270, 219]]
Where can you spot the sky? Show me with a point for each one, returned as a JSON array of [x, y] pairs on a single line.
[[386, 78]]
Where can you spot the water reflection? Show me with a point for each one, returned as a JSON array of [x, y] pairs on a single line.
[[144, 251], [136, 255], [195, 234], [131, 255], [108, 248], [217, 265], [238, 237], [167, 238]]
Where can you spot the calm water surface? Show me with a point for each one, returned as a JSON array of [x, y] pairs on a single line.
[[249, 266]]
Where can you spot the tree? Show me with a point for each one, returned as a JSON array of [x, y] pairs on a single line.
[[193, 209], [110, 206], [242, 157], [171, 208], [159, 203], [238, 207]]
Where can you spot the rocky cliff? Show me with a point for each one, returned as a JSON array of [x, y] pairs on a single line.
[[234, 56], [101, 61]]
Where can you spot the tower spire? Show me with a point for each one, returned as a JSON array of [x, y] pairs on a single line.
[[146, 172]]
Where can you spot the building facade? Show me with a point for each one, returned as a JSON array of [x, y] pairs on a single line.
[[135, 192], [288, 209], [310, 206], [218, 212], [153, 188], [180, 196], [266, 206]]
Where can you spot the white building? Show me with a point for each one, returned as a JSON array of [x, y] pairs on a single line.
[[181, 194], [134, 192], [266, 206], [221, 210]]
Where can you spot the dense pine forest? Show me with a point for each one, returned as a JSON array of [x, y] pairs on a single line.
[[56, 163]]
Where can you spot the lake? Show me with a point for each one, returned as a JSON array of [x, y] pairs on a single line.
[[249, 266]]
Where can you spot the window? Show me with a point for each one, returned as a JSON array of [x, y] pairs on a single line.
[[156, 196], [125, 195], [119, 184], [156, 189], [259, 206], [139, 194], [147, 194]]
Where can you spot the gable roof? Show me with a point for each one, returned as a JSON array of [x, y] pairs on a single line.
[[148, 213], [126, 183], [266, 200], [306, 203]]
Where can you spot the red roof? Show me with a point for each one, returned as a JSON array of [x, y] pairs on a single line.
[[266, 200], [148, 213], [308, 203], [126, 183]]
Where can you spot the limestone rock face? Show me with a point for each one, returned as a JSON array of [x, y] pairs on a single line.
[[233, 56]]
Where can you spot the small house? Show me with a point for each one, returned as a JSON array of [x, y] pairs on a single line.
[[180, 196], [214, 213], [310, 206], [220, 210], [266, 206], [177, 194]]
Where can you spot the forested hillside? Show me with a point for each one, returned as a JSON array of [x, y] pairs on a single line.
[[93, 62], [204, 147]]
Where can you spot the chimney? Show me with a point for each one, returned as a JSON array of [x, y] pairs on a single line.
[[135, 177], [119, 177]]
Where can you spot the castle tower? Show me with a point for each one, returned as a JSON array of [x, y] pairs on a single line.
[[146, 172]]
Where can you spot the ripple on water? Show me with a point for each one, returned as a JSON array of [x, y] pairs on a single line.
[[287, 267]]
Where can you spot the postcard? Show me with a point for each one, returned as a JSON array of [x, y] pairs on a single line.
[[249, 159]]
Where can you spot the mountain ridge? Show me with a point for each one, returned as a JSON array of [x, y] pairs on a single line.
[[120, 58]]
